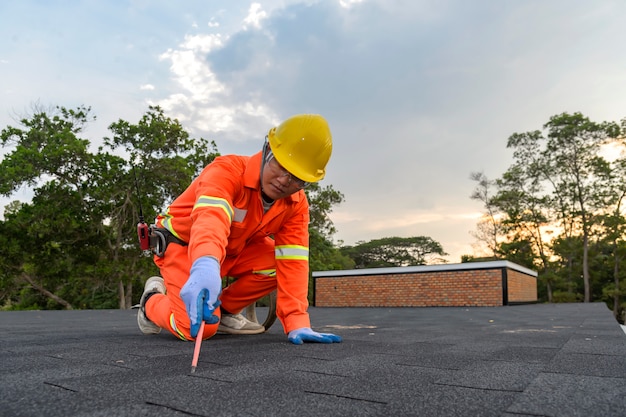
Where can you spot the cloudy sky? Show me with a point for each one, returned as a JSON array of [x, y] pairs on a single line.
[[418, 94]]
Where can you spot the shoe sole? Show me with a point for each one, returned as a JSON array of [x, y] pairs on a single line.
[[230, 330], [159, 286], [145, 325]]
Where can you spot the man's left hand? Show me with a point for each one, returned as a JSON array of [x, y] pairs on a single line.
[[306, 334]]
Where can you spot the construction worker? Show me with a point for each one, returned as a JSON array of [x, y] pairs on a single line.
[[244, 217]]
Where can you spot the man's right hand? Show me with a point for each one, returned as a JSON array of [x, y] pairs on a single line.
[[200, 292]]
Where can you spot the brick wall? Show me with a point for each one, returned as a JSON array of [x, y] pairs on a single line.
[[522, 288], [469, 284]]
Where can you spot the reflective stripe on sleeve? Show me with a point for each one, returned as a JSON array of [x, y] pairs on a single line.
[[292, 252], [207, 201]]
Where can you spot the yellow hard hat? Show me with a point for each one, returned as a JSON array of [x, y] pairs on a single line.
[[302, 144]]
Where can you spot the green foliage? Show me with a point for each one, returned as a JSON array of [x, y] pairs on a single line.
[[74, 245], [47, 145], [321, 202], [395, 251], [566, 297], [519, 251], [558, 208]]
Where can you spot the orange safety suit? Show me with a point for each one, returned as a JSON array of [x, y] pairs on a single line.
[[221, 215]]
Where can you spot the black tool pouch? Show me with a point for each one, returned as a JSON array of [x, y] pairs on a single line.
[[161, 238]]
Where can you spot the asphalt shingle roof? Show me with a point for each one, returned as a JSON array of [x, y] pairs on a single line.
[[532, 360]]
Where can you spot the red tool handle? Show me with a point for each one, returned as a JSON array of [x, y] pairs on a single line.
[[144, 235]]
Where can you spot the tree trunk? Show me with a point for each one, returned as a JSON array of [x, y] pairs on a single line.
[[121, 297], [616, 292], [45, 292], [549, 291], [129, 295], [586, 267]]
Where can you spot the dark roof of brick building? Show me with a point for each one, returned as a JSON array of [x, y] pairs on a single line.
[[530, 360]]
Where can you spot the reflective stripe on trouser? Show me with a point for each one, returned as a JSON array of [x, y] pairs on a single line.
[[168, 311], [253, 271]]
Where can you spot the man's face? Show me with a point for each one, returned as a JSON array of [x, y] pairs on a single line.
[[277, 182]]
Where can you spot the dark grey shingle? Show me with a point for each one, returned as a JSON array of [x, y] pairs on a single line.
[[551, 360]]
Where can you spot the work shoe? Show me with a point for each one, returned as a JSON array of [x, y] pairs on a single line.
[[153, 286], [238, 324]]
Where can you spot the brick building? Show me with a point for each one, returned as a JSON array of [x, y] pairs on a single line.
[[493, 283]]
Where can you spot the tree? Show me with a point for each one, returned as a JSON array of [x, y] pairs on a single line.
[[574, 167], [395, 251], [614, 229], [48, 155], [523, 215], [77, 237], [489, 229], [321, 202], [559, 199]]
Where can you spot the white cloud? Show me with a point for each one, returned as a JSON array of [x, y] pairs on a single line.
[[206, 104], [193, 73], [255, 16], [346, 4], [146, 87]]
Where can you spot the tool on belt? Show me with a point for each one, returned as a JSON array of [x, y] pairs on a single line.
[[153, 239], [161, 238]]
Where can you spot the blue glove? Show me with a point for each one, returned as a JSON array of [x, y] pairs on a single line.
[[200, 292], [305, 334]]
